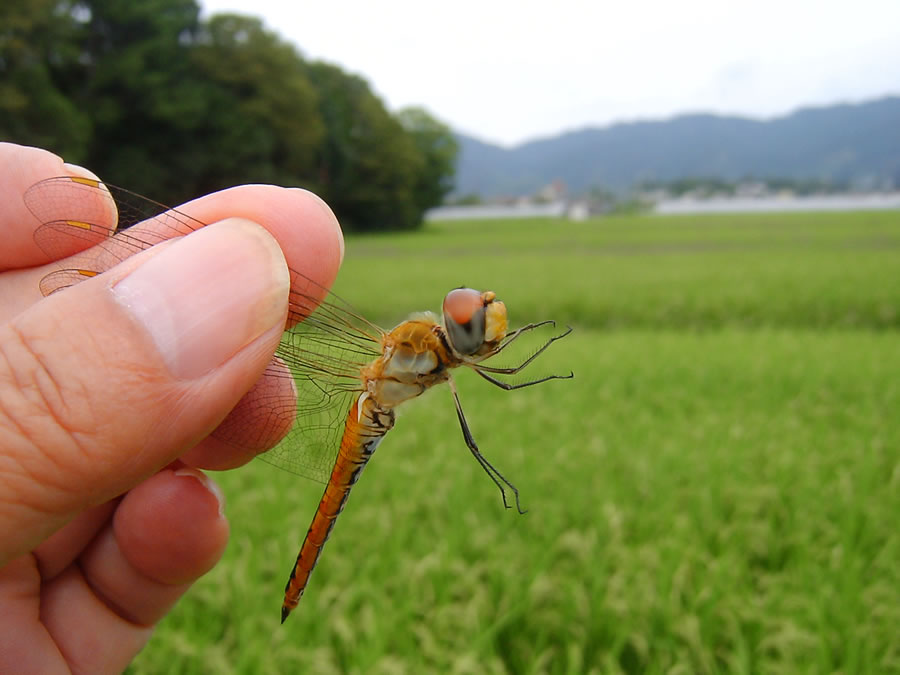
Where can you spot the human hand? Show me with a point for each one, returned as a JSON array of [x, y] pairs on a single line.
[[108, 393]]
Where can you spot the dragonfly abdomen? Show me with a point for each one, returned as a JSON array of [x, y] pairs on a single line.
[[362, 434]]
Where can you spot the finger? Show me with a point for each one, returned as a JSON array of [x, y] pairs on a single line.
[[110, 381], [310, 236], [22, 167], [25, 645], [262, 417], [267, 412], [166, 533], [83, 644], [55, 553], [304, 226]]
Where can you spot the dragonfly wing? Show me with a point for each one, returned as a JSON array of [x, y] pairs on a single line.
[[93, 227], [323, 350], [310, 423]]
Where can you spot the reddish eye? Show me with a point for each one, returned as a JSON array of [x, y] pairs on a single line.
[[462, 304]]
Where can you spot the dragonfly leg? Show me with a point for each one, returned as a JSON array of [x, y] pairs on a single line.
[[509, 387], [515, 369], [496, 476], [524, 329]]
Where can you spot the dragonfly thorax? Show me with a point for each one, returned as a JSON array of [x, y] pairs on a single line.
[[414, 358]]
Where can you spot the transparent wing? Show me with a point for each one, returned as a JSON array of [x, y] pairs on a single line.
[[323, 350]]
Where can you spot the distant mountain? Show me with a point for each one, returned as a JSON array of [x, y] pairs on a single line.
[[841, 143]]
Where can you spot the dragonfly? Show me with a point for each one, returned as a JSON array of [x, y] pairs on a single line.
[[349, 374]]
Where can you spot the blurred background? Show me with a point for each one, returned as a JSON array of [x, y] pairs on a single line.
[[708, 192]]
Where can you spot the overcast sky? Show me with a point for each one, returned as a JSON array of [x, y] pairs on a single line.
[[512, 70]]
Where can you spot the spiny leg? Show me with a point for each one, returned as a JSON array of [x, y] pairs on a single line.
[[496, 476], [515, 369], [509, 387], [524, 329]]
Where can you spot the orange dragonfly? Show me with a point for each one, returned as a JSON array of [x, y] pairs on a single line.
[[349, 373]]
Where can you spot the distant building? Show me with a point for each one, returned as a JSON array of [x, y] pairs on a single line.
[[578, 211], [490, 211], [548, 202], [782, 202], [552, 192]]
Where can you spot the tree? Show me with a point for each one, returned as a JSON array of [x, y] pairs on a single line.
[[368, 164], [181, 107], [263, 118], [439, 149], [36, 53], [137, 85], [156, 100]]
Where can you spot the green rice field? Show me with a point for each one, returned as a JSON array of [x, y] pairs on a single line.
[[716, 491]]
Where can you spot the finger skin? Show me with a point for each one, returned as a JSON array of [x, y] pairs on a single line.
[[89, 416], [89, 408], [50, 353], [25, 645], [260, 419], [24, 166], [304, 226], [96, 614], [92, 639], [166, 533], [311, 240], [58, 551], [310, 247]]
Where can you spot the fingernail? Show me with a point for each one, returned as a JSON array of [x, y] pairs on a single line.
[[211, 486], [80, 171], [205, 297]]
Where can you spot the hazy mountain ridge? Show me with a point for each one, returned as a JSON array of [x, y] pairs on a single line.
[[843, 143]]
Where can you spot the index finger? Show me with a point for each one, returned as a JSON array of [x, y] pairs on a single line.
[[71, 215], [22, 166]]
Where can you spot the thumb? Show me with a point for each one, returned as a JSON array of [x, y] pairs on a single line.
[[107, 382]]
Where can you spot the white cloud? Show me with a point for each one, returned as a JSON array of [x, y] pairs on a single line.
[[508, 71]]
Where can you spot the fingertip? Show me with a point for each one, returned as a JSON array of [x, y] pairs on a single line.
[[166, 532], [79, 171], [23, 166], [305, 227], [206, 483], [329, 219], [171, 527]]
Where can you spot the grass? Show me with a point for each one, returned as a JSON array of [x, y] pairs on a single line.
[[817, 271], [715, 491]]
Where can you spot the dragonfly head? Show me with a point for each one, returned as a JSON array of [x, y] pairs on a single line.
[[475, 322]]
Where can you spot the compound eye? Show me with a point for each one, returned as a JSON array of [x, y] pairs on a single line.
[[464, 319], [462, 303]]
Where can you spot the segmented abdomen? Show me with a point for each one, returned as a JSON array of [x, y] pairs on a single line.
[[357, 445]]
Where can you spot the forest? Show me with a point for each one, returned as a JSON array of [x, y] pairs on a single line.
[[155, 98]]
